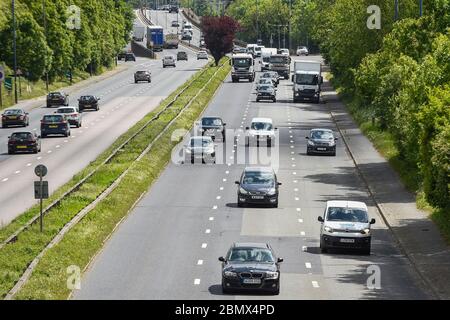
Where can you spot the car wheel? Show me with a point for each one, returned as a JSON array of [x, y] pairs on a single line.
[[323, 249], [223, 137], [275, 205], [308, 153], [10, 151], [274, 100], [334, 154], [35, 150], [257, 100], [43, 135], [135, 81], [240, 204], [277, 291], [4, 126], [225, 290], [97, 108], [366, 251]]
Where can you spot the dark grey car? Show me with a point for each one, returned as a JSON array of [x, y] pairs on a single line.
[[258, 185], [251, 266], [321, 141], [142, 76]]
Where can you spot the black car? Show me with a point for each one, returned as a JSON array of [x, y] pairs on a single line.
[[173, 9], [121, 55], [213, 127], [182, 55], [142, 76], [130, 57], [258, 185], [15, 117], [266, 92], [54, 124], [251, 266], [321, 141], [57, 99], [24, 142], [88, 102]]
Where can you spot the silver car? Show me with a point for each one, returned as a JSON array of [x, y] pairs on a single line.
[[71, 114], [168, 61], [345, 224]]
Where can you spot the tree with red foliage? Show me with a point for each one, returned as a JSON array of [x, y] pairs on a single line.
[[219, 34]]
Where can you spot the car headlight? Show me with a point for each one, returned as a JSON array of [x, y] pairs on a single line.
[[243, 191], [365, 231], [331, 143], [188, 151], [311, 143], [271, 275], [328, 229], [230, 274], [271, 191]]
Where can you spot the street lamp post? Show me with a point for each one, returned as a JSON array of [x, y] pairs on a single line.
[[396, 10], [13, 7], [420, 7]]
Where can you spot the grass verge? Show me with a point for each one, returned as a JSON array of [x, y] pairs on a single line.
[[384, 142], [49, 279]]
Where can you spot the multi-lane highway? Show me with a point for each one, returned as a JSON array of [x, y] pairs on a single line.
[[168, 246], [122, 104]]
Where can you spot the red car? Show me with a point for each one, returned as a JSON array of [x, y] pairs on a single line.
[[15, 117], [24, 142]]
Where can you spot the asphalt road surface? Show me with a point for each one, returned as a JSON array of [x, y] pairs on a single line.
[[122, 104], [167, 248]]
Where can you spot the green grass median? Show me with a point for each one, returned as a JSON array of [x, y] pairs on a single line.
[[85, 239]]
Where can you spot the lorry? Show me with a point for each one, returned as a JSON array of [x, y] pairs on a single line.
[[265, 57], [281, 64], [155, 38], [307, 79], [171, 41], [138, 33], [243, 67], [251, 48]]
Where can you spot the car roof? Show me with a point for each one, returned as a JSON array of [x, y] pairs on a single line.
[[242, 55], [66, 107], [321, 129], [13, 109], [268, 120], [250, 245], [201, 137], [346, 204], [260, 169]]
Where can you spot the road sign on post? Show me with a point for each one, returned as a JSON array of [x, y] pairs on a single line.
[[41, 189], [8, 83]]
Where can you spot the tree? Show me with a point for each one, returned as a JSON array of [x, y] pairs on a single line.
[[219, 33]]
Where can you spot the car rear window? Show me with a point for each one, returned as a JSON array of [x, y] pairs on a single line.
[[55, 95], [53, 118], [257, 177], [66, 110], [211, 122], [86, 98], [21, 136], [261, 126], [13, 112]]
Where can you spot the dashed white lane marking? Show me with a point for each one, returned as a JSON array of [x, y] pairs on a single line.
[[227, 172], [302, 233], [308, 265], [292, 152], [35, 129], [292, 147], [208, 231], [221, 188], [204, 245], [39, 158], [199, 262], [66, 140], [296, 189], [29, 164], [211, 218], [294, 165], [6, 179], [300, 220], [17, 172], [214, 207], [295, 181], [304, 248], [196, 282], [58, 146], [294, 173], [49, 151], [297, 198], [224, 180], [298, 209], [315, 284], [218, 197], [73, 137]]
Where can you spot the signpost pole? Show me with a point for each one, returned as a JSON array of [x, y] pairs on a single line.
[[40, 203]]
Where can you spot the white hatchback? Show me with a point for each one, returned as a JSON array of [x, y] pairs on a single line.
[[169, 61]]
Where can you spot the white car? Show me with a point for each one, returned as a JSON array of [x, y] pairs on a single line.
[[345, 224], [202, 55], [200, 148], [71, 114], [284, 51], [302, 50], [261, 129], [265, 81], [169, 61]]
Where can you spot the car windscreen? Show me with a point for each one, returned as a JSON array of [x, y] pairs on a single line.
[[261, 126], [11, 112], [279, 59], [266, 59], [264, 88], [53, 118], [307, 79], [241, 62], [347, 214], [86, 98], [200, 142], [21, 136], [324, 135], [250, 255], [211, 122], [66, 110], [258, 177]]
